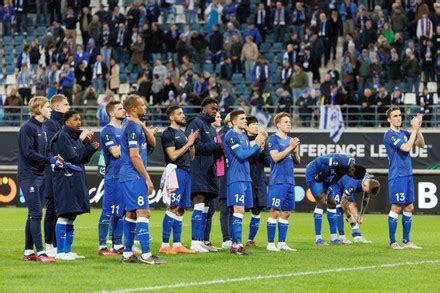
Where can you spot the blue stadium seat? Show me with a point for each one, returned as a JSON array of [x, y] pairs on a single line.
[[41, 31], [208, 67], [240, 89], [121, 67], [197, 68], [7, 49], [270, 57], [195, 27], [7, 41], [19, 49], [18, 40], [133, 77], [277, 47], [10, 69], [237, 78], [129, 68], [123, 78], [30, 38], [265, 47]]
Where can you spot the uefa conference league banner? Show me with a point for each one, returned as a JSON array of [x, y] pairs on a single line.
[[366, 147], [426, 187]]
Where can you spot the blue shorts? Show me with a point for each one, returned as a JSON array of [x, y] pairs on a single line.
[[240, 194], [113, 202], [281, 197], [401, 190], [317, 187], [135, 194], [182, 197]]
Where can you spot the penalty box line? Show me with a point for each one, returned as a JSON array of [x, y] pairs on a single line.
[[266, 277]]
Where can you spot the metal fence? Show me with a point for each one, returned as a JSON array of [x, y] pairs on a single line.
[[354, 116]]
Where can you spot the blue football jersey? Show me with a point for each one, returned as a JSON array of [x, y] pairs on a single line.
[[280, 172], [110, 137], [238, 169], [132, 137], [399, 162], [346, 185], [330, 165]]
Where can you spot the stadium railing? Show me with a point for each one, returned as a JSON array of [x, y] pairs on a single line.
[[353, 115]]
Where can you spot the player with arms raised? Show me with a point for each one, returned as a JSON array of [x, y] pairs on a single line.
[[398, 143]]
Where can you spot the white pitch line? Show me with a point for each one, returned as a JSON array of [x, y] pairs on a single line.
[[292, 274]]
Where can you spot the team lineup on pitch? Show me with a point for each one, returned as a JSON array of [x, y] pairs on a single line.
[[207, 166]]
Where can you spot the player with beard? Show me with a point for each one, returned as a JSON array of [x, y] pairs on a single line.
[[113, 203], [178, 151]]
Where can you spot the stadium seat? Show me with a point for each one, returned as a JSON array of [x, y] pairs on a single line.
[[121, 67], [208, 67], [7, 41], [409, 99], [237, 78], [30, 38], [240, 89], [41, 31], [265, 47], [133, 77], [18, 40], [9, 60], [277, 47], [10, 69], [129, 68], [432, 87], [123, 77], [7, 49]]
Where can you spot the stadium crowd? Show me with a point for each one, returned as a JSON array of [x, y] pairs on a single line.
[[261, 57]]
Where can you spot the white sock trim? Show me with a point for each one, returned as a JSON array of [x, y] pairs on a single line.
[[127, 254], [256, 216], [238, 215], [62, 221], [130, 220], [142, 220], [407, 214], [177, 244], [283, 221], [28, 252], [205, 209], [318, 211], [199, 207], [271, 220], [331, 211], [171, 215], [393, 215], [165, 245], [179, 218], [355, 227]]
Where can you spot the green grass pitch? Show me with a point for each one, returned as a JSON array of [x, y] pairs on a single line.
[[354, 268]]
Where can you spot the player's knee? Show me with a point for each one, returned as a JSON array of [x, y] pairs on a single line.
[[199, 198], [274, 214], [238, 209], [409, 208], [331, 204], [321, 202], [180, 212], [285, 215], [396, 208]]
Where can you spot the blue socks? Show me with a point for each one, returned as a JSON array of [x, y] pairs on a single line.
[[237, 221], [283, 225], [129, 233], [103, 225], [271, 228], [143, 232], [177, 229], [118, 228], [393, 218], [167, 225], [406, 223], [60, 234], [340, 221], [69, 237], [355, 231], [333, 223], [254, 225], [203, 224], [196, 221], [317, 217]]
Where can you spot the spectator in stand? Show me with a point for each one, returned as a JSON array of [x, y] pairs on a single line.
[[262, 20], [101, 114], [394, 68], [215, 46], [57, 32], [40, 82], [299, 19], [388, 33], [34, 57], [171, 39], [173, 71], [113, 76], [279, 20], [397, 99], [285, 102], [24, 82], [305, 104], [13, 100], [70, 22], [424, 102], [228, 36], [298, 82], [21, 7], [84, 22], [367, 111], [103, 14], [428, 61], [83, 75], [106, 43], [137, 53], [323, 30], [153, 11], [249, 55], [190, 8], [337, 31], [226, 101], [286, 74], [213, 15], [199, 44], [67, 80], [99, 76], [95, 28], [229, 9], [23, 58], [157, 40], [364, 72], [368, 35], [63, 55], [80, 55], [398, 18], [116, 19], [411, 69], [7, 14], [93, 51], [348, 12], [252, 31], [382, 103], [226, 70], [183, 87], [235, 53], [122, 45], [160, 70], [262, 75]]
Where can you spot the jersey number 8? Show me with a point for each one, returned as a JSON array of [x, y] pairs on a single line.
[[141, 201]]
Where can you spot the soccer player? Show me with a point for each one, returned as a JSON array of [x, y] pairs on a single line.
[[178, 150], [319, 173], [259, 187], [203, 171], [32, 159], [135, 183], [281, 150], [342, 190], [398, 143], [59, 105], [238, 152], [113, 203], [72, 194]]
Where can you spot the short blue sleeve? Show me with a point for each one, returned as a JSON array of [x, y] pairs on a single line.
[[108, 137], [272, 144], [393, 140], [133, 134], [232, 140]]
